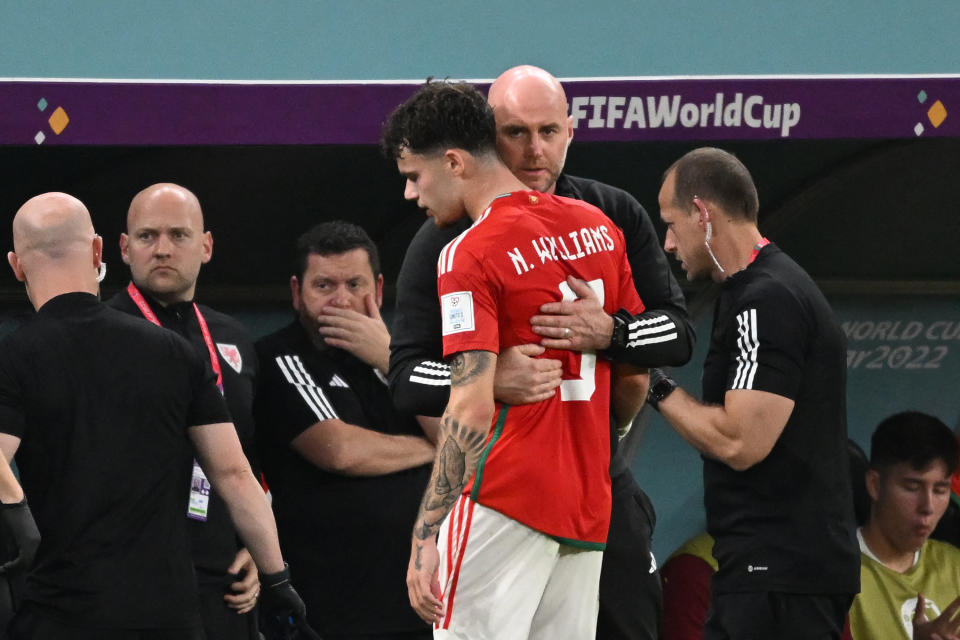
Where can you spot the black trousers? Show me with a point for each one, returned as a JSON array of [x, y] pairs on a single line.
[[631, 597], [771, 614], [220, 622], [29, 625]]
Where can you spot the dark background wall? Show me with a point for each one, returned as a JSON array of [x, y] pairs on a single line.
[[874, 221]]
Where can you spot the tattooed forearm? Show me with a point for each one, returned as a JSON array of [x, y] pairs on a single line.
[[426, 530], [471, 439], [463, 433], [450, 471], [468, 365], [453, 467]]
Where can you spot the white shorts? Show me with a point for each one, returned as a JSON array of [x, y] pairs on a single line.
[[501, 580]]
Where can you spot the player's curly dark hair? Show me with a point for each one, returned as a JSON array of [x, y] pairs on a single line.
[[333, 238], [441, 115]]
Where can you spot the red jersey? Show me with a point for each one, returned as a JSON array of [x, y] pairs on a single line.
[[545, 464]]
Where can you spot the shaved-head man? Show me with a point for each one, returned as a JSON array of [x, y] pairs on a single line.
[[54, 240], [165, 246], [100, 409], [533, 128], [533, 132]]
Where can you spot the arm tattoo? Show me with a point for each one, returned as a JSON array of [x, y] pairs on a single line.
[[467, 365], [450, 473], [452, 465], [472, 439], [427, 529]]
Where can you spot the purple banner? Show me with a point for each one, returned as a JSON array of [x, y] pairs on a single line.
[[153, 113]]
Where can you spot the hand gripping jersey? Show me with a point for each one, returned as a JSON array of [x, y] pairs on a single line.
[[545, 464]]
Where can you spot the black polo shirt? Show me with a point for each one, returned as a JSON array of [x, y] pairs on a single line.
[[346, 537], [785, 524], [101, 402], [213, 542]]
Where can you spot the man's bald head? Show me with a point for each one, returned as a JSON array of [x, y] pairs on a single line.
[[165, 243], [526, 84], [165, 194], [52, 224], [55, 249], [533, 128]]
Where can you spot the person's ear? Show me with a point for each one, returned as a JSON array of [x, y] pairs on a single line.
[[703, 215], [702, 210], [455, 160], [125, 248], [872, 481], [295, 292], [97, 251], [14, 261], [207, 240]]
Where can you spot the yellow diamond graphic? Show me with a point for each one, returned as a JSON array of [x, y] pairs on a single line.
[[937, 114], [58, 120]]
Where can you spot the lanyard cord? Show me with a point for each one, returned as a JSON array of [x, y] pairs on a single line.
[[148, 313]]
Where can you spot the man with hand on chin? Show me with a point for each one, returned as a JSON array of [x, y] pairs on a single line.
[[345, 468]]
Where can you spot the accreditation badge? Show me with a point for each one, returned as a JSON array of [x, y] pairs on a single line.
[[199, 494]]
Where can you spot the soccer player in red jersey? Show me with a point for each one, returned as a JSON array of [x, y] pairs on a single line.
[[520, 496]]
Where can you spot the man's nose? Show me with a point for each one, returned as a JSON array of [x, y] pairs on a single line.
[[927, 498], [163, 246], [340, 298], [669, 242], [410, 191], [534, 147]]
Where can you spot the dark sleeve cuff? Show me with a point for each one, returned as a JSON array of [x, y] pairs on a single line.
[[654, 338]]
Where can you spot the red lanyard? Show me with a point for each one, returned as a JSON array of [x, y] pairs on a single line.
[[148, 313], [753, 256]]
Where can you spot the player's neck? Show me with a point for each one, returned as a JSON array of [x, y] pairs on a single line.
[[883, 548], [490, 182]]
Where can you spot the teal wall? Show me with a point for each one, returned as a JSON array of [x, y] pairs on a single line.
[[410, 39]]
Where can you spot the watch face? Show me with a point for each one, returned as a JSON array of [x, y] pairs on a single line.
[[662, 389]]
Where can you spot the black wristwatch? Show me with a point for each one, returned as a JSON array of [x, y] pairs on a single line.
[[661, 385], [618, 340]]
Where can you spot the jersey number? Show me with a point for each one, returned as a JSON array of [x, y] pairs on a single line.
[[582, 388]]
